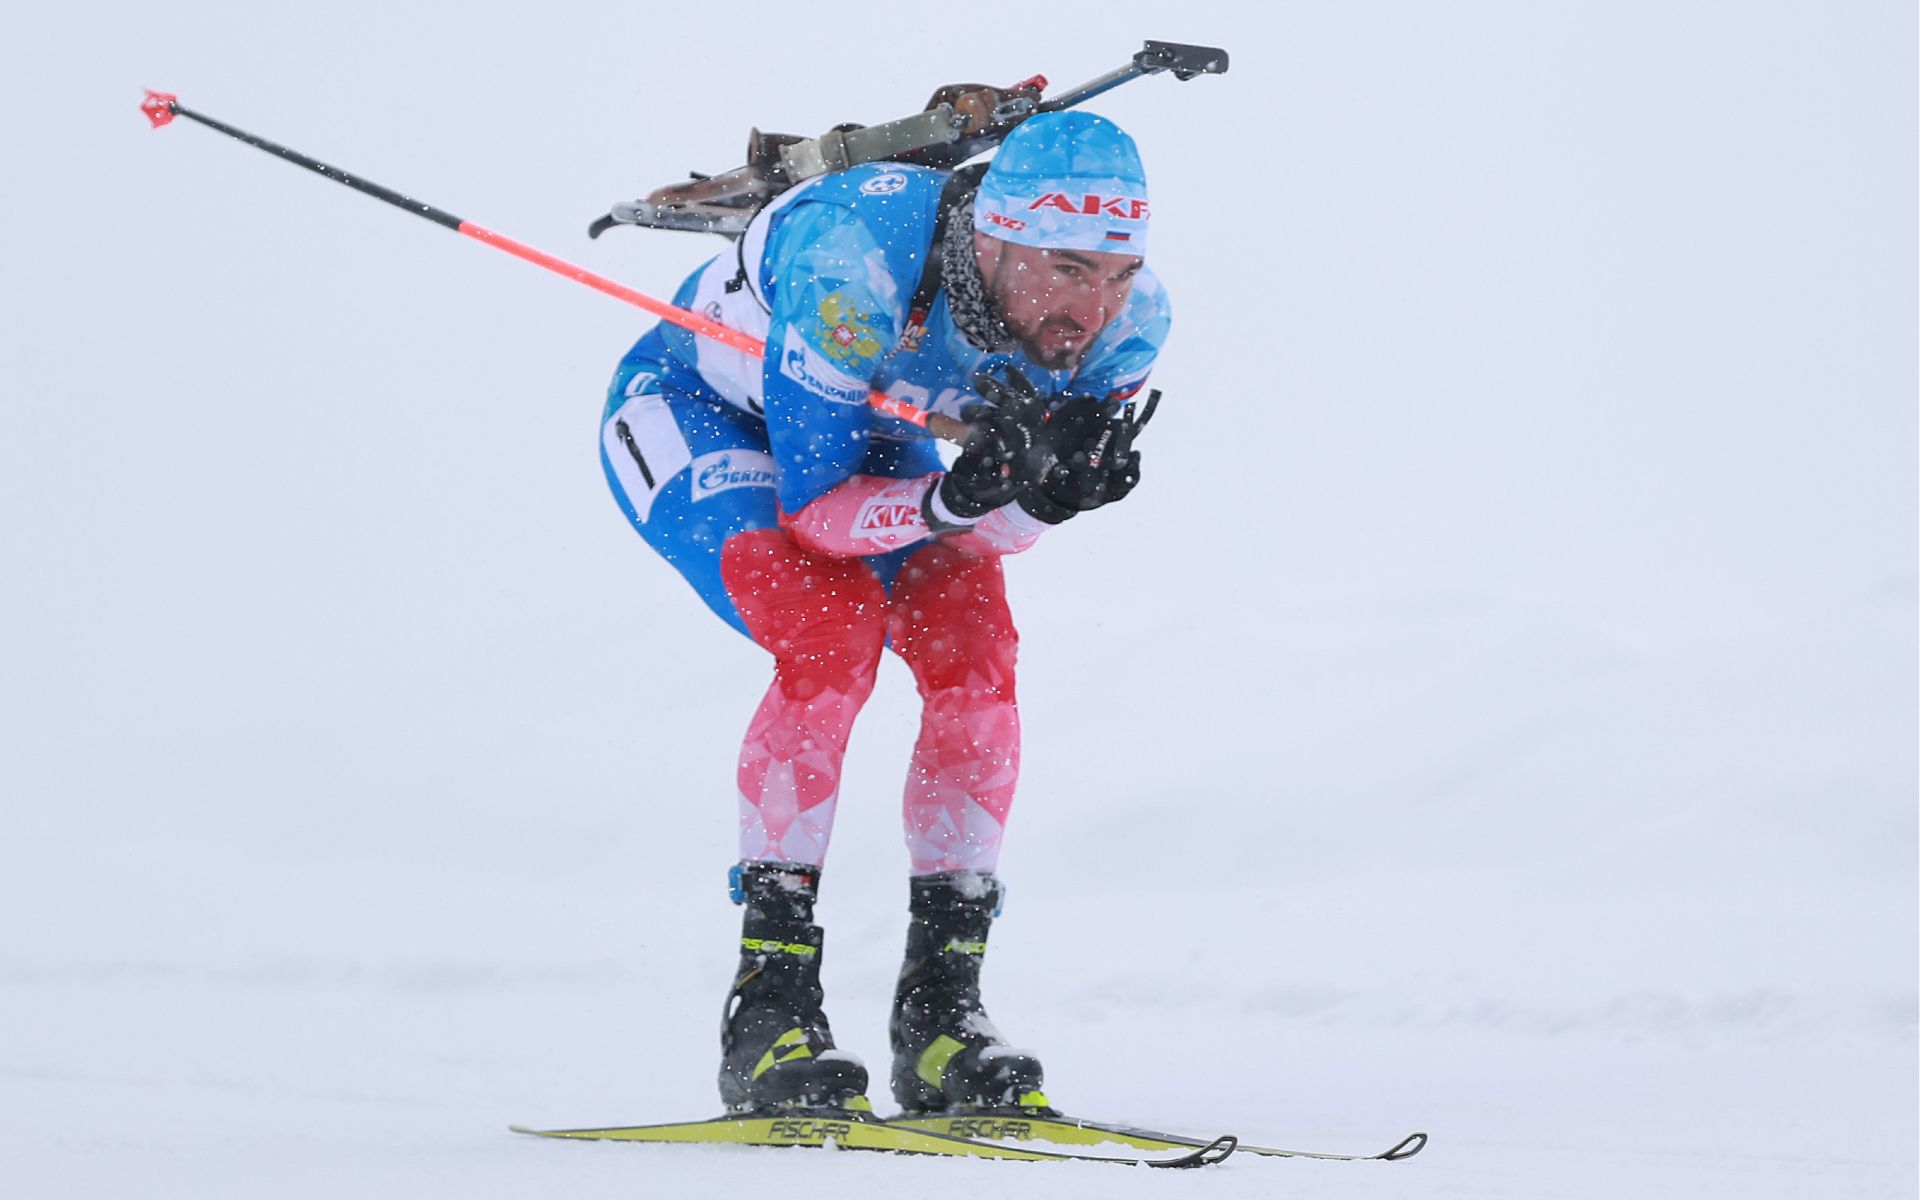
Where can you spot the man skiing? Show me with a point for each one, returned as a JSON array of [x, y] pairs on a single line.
[[1017, 299]]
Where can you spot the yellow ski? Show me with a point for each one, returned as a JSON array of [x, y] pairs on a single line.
[[860, 1131], [1004, 1125]]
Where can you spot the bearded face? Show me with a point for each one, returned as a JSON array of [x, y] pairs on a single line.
[[1054, 302]]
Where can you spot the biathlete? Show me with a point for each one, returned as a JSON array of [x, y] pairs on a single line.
[[1015, 297]]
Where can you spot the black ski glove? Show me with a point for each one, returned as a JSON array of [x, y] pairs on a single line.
[[1003, 456], [1094, 462]]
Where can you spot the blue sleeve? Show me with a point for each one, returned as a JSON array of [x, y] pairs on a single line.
[[836, 313]]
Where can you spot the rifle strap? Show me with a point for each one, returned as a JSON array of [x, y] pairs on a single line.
[[953, 197]]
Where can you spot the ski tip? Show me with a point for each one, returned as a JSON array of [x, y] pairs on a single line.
[[1213, 1152], [159, 107], [1408, 1146]]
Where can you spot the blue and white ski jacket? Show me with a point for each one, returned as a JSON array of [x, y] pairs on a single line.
[[824, 276]]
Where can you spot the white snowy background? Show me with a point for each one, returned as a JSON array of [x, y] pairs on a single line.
[[1494, 715]]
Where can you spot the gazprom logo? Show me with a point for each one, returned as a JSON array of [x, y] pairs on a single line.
[[816, 374], [884, 185], [724, 470]]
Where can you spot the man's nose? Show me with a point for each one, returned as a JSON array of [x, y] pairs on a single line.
[[1088, 307]]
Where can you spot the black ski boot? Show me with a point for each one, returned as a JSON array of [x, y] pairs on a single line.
[[946, 1052], [776, 1050]]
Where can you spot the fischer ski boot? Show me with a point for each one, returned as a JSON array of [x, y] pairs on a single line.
[[776, 1050], [947, 1055]]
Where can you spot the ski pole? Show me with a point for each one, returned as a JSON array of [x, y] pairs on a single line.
[[162, 107]]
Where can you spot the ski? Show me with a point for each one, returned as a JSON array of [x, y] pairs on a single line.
[[860, 1131], [1047, 1125]]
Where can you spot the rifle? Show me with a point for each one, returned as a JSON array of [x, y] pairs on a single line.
[[960, 121]]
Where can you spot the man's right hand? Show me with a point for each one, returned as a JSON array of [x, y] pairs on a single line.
[[1003, 457]]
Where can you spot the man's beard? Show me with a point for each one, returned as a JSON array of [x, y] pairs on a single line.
[[1061, 356], [1030, 336]]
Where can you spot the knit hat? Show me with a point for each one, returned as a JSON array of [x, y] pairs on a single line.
[[1066, 181]]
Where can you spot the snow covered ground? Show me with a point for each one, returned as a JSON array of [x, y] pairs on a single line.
[[1495, 714]]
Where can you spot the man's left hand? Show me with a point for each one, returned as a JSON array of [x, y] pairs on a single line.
[[1094, 462]]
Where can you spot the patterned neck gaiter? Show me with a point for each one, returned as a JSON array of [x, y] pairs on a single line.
[[973, 311]]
